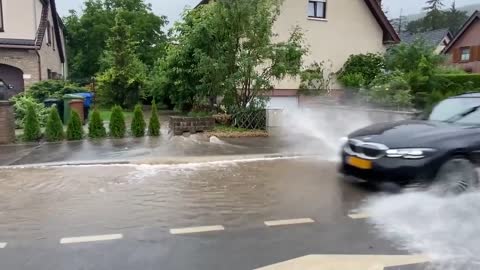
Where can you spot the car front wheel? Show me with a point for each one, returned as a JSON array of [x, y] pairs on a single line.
[[455, 176]]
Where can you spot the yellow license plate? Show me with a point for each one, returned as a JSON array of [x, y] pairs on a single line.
[[359, 163]]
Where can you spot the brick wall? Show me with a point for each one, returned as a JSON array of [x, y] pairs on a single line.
[[7, 123], [26, 60], [179, 124]]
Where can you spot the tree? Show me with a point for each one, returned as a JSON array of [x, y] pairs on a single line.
[[74, 127], [433, 5], [226, 48], [32, 132], [138, 122], [419, 63], [364, 67], [117, 123], [436, 18], [87, 33], [455, 18], [154, 124], [54, 128], [96, 129], [316, 78], [121, 83]]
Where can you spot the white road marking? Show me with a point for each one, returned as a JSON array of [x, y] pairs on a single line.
[[197, 229], [348, 262], [3, 245], [92, 238], [358, 215], [289, 222]]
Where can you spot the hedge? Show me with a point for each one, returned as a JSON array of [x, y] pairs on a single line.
[[75, 127], [96, 129], [54, 128], [466, 80], [117, 123], [138, 124], [32, 131], [154, 124]]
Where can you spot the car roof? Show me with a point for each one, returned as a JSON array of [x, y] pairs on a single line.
[[468, 95]]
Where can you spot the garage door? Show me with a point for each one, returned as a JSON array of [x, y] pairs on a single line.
[[285, 103]]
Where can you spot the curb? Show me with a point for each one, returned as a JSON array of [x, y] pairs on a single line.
[[165, 161]]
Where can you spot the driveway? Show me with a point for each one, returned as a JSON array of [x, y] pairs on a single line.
[[208, 215]]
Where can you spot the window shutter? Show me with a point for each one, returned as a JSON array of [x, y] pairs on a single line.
[[476, 53], [456, 55]]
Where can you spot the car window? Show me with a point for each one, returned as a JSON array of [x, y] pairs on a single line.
[[449, 108]]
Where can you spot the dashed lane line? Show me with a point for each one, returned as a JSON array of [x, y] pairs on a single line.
[[3, 245], [201, 229], [359, 215], [92, 238], [288, 222]]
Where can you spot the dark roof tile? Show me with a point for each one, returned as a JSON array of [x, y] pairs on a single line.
[[432, 38]]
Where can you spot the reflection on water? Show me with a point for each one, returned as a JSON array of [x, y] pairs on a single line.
[[78, 199]]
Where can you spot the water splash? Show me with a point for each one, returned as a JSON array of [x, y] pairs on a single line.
[[319, 131], [444, 228]]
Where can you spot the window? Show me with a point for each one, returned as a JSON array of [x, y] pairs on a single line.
[[1, 16], [465, 54], [49, 34], [317, 9]]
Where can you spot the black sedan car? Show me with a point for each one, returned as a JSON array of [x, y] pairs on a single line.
[[443, 148]]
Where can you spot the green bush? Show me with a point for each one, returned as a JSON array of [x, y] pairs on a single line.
[[367, 65], [32, 131], [154, 124], [389, 90], [21, 104], [138, 122], [467, 80], [53, 89], [96, 129], [54, 128], [353, 80], [117, 123], [74, 128]]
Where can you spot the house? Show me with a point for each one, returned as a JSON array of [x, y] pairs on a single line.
[[438, 39], [32, 44], [464, 50], [333, 30]]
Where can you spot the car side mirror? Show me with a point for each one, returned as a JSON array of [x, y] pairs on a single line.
[[10, 86]]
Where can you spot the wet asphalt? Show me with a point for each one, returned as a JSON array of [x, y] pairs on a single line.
[[142, 203]]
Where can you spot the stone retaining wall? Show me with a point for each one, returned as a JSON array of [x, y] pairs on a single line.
[[179, 124], [7, 123]]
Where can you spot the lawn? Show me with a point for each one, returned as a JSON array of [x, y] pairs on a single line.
[[105, 115], [235, 132]]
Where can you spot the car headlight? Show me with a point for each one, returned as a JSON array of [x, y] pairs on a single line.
[[409, 153]]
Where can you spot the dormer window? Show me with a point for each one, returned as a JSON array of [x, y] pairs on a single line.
[[317, 9]]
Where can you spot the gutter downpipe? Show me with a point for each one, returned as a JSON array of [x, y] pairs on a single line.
[[36, 36]]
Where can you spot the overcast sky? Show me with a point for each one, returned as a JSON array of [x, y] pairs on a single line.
[[173, 8]]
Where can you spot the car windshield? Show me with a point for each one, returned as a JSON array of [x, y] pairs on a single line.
[[452, 108]]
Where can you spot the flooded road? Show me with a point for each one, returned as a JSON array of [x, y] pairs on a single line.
[[209, 215], [79, 199]]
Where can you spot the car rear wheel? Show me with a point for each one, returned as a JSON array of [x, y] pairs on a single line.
[[455, 176]]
